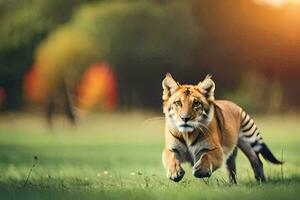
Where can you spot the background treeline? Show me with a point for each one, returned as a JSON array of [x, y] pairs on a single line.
[[252, 50]]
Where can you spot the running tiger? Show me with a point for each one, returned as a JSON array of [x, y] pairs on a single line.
[[207, 132]]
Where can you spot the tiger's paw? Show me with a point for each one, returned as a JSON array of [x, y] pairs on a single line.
[[202, 171], [175, 173]]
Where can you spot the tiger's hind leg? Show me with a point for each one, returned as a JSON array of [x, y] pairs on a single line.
[[256, 163], [231, 168]]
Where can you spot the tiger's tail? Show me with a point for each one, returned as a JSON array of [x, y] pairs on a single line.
[[250, 133]]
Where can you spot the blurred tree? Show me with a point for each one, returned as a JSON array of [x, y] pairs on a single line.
[[2, 96], [23, 24], [141, 40], [241, 36], [62, 58], [34, 90], [97, 89]]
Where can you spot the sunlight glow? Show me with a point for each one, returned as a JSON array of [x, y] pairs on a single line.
[[276, 3]]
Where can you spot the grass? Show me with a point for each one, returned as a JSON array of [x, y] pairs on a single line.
[[118, 156]]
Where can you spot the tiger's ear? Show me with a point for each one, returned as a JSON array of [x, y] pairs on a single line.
[[208, 85], [169, 86]]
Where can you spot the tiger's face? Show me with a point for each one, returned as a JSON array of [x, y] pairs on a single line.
[[188, 107]]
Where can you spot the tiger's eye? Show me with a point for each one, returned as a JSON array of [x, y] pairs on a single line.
[[197, 104], [178, 103]]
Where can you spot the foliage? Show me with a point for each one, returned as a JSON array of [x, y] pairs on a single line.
[[66, 53], [141, 30], [97, 88], [255, 93], [142, 39], [137, 38], [23, 24]]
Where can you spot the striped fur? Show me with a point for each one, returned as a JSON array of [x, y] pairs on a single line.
[[250, 133]]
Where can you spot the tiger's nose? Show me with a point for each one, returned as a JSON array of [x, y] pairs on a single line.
[[185, 118]]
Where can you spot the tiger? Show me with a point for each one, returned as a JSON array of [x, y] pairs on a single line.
[[207, 133]]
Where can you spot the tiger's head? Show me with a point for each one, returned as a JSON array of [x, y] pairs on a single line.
[[188, 107]]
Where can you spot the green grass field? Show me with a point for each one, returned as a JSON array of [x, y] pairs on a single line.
[[118, 156]]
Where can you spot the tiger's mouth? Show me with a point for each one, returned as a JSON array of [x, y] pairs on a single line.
[[186, 126]]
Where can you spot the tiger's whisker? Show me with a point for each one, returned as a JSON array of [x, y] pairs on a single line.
[[152, 119]]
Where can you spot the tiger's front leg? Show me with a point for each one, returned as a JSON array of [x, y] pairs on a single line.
[[208, 163], [172, 165]]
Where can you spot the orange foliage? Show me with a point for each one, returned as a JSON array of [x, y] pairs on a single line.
[[98, 88], [2, 96], [33, 86]]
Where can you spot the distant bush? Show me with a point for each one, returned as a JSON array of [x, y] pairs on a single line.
[[256, 94], [65, 54], [141, 30], [142, 39], [23, 24], [139, 39]]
